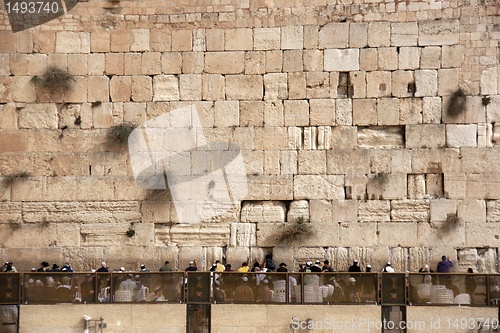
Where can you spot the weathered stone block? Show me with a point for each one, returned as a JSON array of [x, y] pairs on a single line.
[[226, 113], [404, 34], [255, 62], [98, 89], [368, 59], [447, 81], [238, 39], [453, 56], [292, 37], [425, 83], [358, 35], [165, 88], [276, 86], [182, 40], [233, 62], [425, 136], [374, 211], [387, 111], [39, 116], [440, 32], [409, 58], [348, 161], [151, 63], [387, 58], [263, 211], [378, 84], [245, 87], [72, 42], [120, 88], [322, 111], [343, 112], [431, 110], [270, 187], [139, 40], [387, 186], [214, 87], [312, 162], [160, 40], [214, 39], [341, 60], [313, 60], [334, 35], [318, 187], [410, 111], [292, 61], [379, 34], [243, 234], [461, 135], [430, 57], [381, 137], [401, 234], [296, 113], [441, 208], [266, 38], [190, 87], [298, 211], [142, 88], [410, 210], [364, 112], [455, 185], [317, 85], [288, 162]]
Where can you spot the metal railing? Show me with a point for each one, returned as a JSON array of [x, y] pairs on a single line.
[[417, 289]]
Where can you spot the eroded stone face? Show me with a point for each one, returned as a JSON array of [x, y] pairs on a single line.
[[378, 128]]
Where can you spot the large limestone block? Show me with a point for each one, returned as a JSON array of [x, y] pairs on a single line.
[[270, 187], [481, 235], [441, 209], [39, 116], [368, 59], [342, 60], [273, 114], [475, 211], [322, 111], [6, 89], [409, 58], [426, 83], [455, 185], [313, 60], [243, 234], [441, 234], [318, 187], [182, 40], [416, 187], [334, 35], [387, 186], [387, 58], [292, 61], [296, 85], [171, 62], [226, 113], [267, 38], [142, 88], [438, 32], [276, 87], [453, 56], [270, 138], [431, 110], [447, 81], [98, 89], [317, 85], [255, 62], [343, 111], [72, 42], [381, 137], [139, 40], [353, 234], [296, 113], [387, 111], [288, 162], [493, 211], [347, 161], [374, 211], [364, 112], [22, 90], [401, 234], [489, 81], [483, 186], [410, 210], [120, 88], [247, 87], [151, 63], [213, 87], [425, 136], [160, 40], [165, 88], [195, 235], [263, 211], [312, 162], [238, 39], [403, 83], [358, 34], [458, 136], [410, 111], [292, 37], [379, 34], [233, 62], [214, 39], [404, 34], [298, 211], [190, 87]]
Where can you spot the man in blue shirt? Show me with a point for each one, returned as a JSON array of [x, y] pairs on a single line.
[[444, 265]]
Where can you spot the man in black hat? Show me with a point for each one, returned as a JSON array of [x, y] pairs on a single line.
[[45, 267], [315, 268], [55, 268], [282, 268], [355, 267]]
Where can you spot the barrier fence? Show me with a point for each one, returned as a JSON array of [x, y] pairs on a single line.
[[391, 289]]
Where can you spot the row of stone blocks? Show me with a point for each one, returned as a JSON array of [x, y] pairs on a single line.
[[294, 37]]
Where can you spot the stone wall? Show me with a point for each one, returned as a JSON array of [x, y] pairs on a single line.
[[374, 122]]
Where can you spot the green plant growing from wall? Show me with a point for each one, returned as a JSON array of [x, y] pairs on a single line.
[[457, 103], [294, 231], [131, 232], [118, 134], [54, 80]]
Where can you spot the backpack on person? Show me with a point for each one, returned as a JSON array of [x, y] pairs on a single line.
[[270, 264]]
